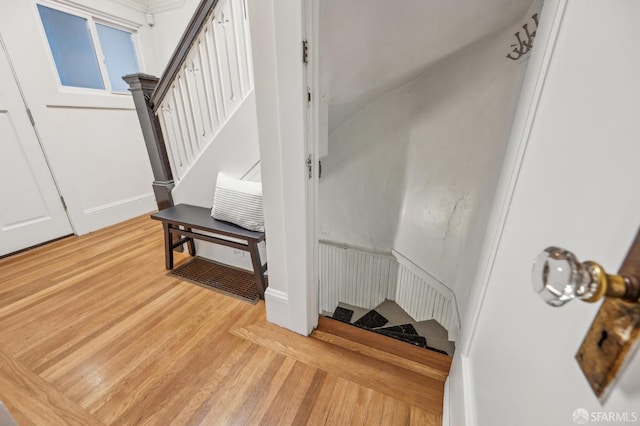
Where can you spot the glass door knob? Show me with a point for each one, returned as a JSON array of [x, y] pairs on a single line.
[[558, 277]]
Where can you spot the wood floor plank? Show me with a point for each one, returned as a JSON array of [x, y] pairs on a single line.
[[150, 373], [126, 354], [391, 380], [389, 412], [285, 406], [361, 406], [41, 354], [333, 414], [267, 396], [310, 397], [258, 390], [343, 411], [32, 399], [376, 406], [382, 355], [197, 369], [421, 417], [65, 365], [222, 404], [325, 401], [176, 365], [94, 331]]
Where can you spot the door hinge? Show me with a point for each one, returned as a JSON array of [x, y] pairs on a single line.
[[33, 122], [308, 97], [319, 169], [64, 205], [309, 166], [305, 52]]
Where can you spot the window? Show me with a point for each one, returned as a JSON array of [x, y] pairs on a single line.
[[76, 43], [119, 55]]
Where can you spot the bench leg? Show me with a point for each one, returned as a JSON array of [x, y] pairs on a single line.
[[257, 267], [190, 244], [168, 243]]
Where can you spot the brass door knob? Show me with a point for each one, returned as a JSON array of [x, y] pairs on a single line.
[[558, 277]]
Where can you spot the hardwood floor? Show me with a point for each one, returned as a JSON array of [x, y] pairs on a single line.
[[93, 331]]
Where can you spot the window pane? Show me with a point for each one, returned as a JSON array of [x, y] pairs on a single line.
[[119, 55], [72, 48]]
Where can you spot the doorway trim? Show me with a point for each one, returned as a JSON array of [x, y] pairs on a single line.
[[311, 31]]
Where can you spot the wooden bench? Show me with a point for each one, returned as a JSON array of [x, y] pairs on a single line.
[[196, 218]]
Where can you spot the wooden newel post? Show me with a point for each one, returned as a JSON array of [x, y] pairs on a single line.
[[141, 87]]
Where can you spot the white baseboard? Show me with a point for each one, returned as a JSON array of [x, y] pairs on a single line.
[[99, 217], [446, 420], [119, 203], [459, 398], [277, 303], [469, 392]]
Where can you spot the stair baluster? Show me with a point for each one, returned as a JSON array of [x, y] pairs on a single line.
[[208, 77]]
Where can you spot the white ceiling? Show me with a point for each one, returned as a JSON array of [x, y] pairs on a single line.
[[151, 6], [370, 46]]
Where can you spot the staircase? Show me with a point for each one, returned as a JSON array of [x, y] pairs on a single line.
[[362, 278], [199, 117], [390, 320], [382, 348]]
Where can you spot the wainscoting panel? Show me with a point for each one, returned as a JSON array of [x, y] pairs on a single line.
[[424, 297], [355, 276], [365, 278]]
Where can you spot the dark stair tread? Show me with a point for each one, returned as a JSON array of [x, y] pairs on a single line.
[[411, 339], [431, 328], [443, 345], [402, 328], [408, 338], [414, 340], [371, 319], [342, 314], [440, 351]]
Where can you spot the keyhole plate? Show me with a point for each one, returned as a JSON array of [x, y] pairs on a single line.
[[611, 337]]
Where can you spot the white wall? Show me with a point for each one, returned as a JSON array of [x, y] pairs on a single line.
[[415, 170], [167, 30], [386, 43], [233, 151], [577, 141], [93, 141], [362, 182]]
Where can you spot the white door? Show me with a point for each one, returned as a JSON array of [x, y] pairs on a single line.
[[31, 211], [577, 188]]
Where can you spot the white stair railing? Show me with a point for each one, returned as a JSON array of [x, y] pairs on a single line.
[[212, 82]]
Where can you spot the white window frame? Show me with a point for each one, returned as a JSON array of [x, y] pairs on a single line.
[[93, 17]]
